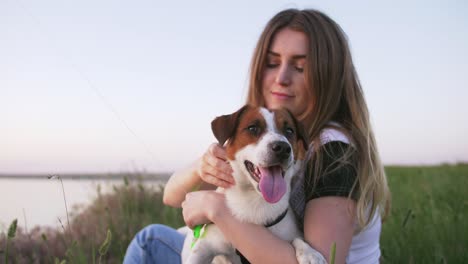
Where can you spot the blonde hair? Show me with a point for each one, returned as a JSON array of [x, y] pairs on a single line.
[[336, 93]]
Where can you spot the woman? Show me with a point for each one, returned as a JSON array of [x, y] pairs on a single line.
[[302, 62]]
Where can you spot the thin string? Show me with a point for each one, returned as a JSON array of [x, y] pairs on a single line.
[[90, 84]]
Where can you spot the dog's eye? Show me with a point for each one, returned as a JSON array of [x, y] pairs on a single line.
[[254, 129], [289, 132]]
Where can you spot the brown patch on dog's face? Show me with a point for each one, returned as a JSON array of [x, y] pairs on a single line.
[[293, 131], [225, 126], [247, 125], [251, 127]]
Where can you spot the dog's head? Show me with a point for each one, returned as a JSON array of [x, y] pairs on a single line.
[[262, 146]]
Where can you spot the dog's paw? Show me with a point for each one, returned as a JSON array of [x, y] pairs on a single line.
[[305, 254], [223, 259]]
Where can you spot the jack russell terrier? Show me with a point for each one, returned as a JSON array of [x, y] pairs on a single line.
[[265, 149]]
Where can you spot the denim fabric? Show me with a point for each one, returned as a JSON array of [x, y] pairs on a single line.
[[155, 244]]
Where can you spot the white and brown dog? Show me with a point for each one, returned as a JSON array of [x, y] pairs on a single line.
[[265, 150]]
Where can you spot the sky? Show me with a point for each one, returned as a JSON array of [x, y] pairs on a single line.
[[115, 86]]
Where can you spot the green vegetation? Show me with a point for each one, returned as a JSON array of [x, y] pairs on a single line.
[[99, 233], [426, 225], [428, 218]]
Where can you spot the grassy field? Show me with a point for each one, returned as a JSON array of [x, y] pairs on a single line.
[[426, 224], [428, 218]]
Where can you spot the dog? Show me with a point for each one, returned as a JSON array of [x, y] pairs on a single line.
[[265, 149]]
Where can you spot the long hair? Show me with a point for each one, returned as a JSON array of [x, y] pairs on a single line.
[[337, 96]]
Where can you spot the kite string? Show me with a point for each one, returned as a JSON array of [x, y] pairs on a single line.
[[90, 84]]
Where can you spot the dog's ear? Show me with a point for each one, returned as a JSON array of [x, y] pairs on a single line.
[[302, 134], [224, 126], [302, 137], [300, 131]]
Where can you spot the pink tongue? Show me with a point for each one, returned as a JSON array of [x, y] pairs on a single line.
[[272, 184]]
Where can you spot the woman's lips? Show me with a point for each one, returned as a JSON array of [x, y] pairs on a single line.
[[282, 96]]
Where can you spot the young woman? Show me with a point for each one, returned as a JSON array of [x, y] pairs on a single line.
[[302, 62]]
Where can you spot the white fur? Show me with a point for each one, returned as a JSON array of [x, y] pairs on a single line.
[[247, 203], [305, 254]]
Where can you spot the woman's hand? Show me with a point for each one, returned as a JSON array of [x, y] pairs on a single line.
[[200, 207], [207, 172], [213, 167]]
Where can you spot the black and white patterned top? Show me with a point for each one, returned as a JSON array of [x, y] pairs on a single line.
[[337, 178]]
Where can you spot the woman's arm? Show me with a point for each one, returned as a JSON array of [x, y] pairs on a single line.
[[255, 242], [206, 173], [182, 182], [329, 220], [329, 215]]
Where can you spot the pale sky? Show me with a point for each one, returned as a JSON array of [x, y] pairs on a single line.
[[112, 86]]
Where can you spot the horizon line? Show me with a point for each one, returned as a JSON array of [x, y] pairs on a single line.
[[146, 173]]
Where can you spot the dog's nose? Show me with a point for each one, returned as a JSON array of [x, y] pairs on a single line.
[[281, 149]]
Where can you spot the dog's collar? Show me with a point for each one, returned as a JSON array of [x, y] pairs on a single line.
[[278, 219]]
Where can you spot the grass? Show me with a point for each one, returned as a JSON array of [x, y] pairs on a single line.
[[99, 233], [427, 222], [428, 217]]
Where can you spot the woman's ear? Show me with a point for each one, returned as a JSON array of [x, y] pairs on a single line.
[[224, 127]]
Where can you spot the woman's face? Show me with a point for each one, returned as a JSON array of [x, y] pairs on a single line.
[[283, 83]]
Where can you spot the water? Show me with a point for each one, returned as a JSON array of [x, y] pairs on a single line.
[[40, 201]]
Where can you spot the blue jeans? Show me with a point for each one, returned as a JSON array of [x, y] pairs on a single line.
[[155, 244]]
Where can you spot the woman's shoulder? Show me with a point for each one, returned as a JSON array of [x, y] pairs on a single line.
[[333, 132], [333, 135]]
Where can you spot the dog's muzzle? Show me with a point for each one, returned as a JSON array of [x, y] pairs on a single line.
[[280, 151]]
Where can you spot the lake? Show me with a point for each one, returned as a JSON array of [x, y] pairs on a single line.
[[37, 200]]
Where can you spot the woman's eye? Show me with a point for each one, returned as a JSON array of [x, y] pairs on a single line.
[[299, 68], [271, 65]]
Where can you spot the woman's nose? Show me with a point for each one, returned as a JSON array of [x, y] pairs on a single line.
[[283, 77]]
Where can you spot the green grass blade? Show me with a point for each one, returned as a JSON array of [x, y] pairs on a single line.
[[105, 245], [332, 253]]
